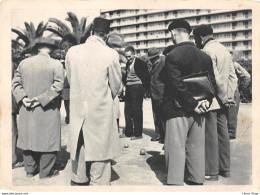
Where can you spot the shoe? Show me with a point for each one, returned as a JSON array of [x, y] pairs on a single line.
[[122, 136], [211, 178], [136, 138], [188, 182], [161, 141], [155, 139], [30, 175], [73, 183], [53, 173], [67, 120], [225, 174], [17, 165]]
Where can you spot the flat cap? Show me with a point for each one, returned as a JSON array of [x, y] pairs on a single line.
[[179, 23], [203, 30]]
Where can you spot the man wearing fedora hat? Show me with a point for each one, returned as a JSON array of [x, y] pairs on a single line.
[[157, 89], [185, 126], [36, 86], [94, 75]]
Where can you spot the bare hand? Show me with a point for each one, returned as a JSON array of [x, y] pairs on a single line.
[[35, 102], [26, 102], [202, 107]]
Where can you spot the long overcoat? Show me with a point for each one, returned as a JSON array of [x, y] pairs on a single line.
[[94, 76], [39, 128]]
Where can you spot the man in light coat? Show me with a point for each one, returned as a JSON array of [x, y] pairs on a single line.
[[37, 85], [94, 76], [216, 130]]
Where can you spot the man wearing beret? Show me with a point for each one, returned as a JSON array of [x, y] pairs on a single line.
[[185, 126], [94, 76], [36, 86], [217, 137]]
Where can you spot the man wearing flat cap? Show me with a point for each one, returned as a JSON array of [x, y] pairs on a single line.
[[157, 89], [217, 137], [36, 86], [185, 133], [94, 75]]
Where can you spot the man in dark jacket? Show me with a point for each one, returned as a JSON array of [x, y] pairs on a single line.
[[185, 126], [136, 80], [157, 89]]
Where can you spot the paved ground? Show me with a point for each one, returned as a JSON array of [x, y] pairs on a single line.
[[133, 169]]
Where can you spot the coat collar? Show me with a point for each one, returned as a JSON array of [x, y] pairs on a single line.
[[43, 54], [96, 38], [209, 42], [183, 43]]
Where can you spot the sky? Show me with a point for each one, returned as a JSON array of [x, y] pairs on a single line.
[[36, 16]]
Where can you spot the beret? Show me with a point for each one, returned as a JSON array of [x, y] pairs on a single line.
[[179, 23], [203, 30]]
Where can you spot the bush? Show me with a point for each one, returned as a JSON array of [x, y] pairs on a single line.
[[245, 86]]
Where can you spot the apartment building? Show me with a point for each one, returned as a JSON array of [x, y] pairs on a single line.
[[148, 28]]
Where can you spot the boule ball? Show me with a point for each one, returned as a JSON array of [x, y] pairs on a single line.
[[142, 151], [126, 145]]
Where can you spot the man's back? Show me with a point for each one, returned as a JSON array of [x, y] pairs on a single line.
[[185, 59]]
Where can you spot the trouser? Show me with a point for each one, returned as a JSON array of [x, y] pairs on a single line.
[[92, 172], [159, 122], [42, 161], [232, 113], [67, 108], [134, 110], [14, 138], [185, 149], [217, 143]]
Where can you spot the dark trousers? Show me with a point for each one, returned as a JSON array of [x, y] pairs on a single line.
[[67, 109], [217, 143], [134, 110], [14, 138], [42, 161], [232, 113], [159, 122]]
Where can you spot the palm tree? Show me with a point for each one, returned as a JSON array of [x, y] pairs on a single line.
[[27, 36], [79, 29]]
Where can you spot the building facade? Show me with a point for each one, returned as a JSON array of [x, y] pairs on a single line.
[[148, 28]]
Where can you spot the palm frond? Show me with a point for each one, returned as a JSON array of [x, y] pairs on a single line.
[[83, 24], [39, 30], [73, 19], [21, 35], [60, 24], [17, 43], [33, 29], [56, 31]]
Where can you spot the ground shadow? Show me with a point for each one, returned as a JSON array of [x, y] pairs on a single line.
[[62, 158], [114, 175], [157, 164], [149, 132]]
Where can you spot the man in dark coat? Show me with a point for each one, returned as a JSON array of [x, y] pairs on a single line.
[[157, 89], [136, 80], [36, 86], [185, 126]]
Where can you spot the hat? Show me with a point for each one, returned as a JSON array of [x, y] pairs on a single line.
[[101, 25], [152, 52], [46, 41], [115, 40], [203, 30], [178, 23]]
